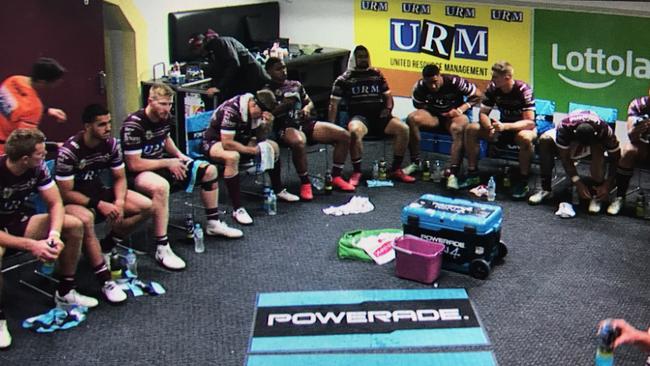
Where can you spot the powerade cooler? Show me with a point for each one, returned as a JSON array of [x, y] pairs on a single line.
[[470, 231]]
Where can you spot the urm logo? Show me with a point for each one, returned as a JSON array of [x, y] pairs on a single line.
[[440, 40]]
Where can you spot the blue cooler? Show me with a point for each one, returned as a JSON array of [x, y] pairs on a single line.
[[470, 231]]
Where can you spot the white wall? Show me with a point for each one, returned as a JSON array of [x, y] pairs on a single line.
[[324, 22], [155, 16]]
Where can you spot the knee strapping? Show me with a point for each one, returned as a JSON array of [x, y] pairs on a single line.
[[209, 185]]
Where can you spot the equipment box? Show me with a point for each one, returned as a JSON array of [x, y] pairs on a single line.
[[470, 231]]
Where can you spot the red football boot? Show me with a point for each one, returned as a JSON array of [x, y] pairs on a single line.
[[341, 184]]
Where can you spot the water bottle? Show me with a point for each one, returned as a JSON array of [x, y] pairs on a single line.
[[575, 197], [437, 172], [199, 244], [605, 352], [317, 181], [506, 177], [639, 208], [491, 189], [189, 226], [383, 170], [266, 203], [132, 262], [328, 187], [375, 170], [116, 267], [426, 171], [47, 268], [273, 203]]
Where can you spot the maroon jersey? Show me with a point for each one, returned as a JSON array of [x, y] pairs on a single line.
[[451, 95], [640, 109], [289, 117], [565, 132], [139, 135], [15, 190], [512, 105], [362, 91], [77, 161], [231, 118]]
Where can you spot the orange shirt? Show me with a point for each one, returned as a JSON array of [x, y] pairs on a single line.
[[20, 106]]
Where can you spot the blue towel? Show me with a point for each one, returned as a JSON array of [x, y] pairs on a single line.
[[56, 319]]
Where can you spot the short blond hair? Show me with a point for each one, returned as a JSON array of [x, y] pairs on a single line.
[[22, 142], [503, 68], [160, 90]]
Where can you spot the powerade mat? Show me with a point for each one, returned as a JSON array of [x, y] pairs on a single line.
[[364, 319], [377, 359]]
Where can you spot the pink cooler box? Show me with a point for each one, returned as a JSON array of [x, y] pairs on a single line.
[[417, 259]]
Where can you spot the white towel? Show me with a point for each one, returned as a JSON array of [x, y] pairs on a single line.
[[267, 156]]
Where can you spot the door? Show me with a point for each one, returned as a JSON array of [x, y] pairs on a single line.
[[70, 31]]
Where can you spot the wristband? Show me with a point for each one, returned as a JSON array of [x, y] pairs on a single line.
[[93, 202], [54, 233], [459, 111], [575, 178]]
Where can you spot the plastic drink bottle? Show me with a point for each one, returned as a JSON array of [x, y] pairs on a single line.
[[199, 244], [492, 189]]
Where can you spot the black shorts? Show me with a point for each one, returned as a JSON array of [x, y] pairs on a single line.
[[506, 138], [174, 184], [376, 125], [103, 194], [15, 223], [307, 127]]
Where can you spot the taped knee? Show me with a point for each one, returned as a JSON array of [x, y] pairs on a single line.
[[210, 185]]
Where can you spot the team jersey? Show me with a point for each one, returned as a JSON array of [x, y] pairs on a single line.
[[15, 190], [362, 91], [139, 135], [231, 118], [640, 107], [512, 105], [20, 106], [451, 95], [77, 161], [288, 117], [565, 132]]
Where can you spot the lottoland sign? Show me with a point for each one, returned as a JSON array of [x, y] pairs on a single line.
[[593, 59]]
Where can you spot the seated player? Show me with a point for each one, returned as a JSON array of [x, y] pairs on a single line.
[[296, 127], [515, 101], [237, 128], [79, 165], [23, 172], [145, 139], [369, 103], [580, 134], [440, 102], [638, 130]]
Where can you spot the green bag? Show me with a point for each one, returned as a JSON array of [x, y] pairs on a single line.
[[347, 248]]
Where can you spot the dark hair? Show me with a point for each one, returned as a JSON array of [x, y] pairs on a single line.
[[92, 111], [272, 61], [47, 69], [196, 41], [360, 48], [22, 142], [265, 99], [430, 70], [585, 133]]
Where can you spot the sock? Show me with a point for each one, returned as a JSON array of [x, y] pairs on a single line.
[[110, 241], [623, 177], [66, 284], [397, 162], [453, 169], [212, 213], [546, 182], [102, 272], [161, 240], [234, 190], [356, 165], [337, 169], [276, 179], [304, 178]]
